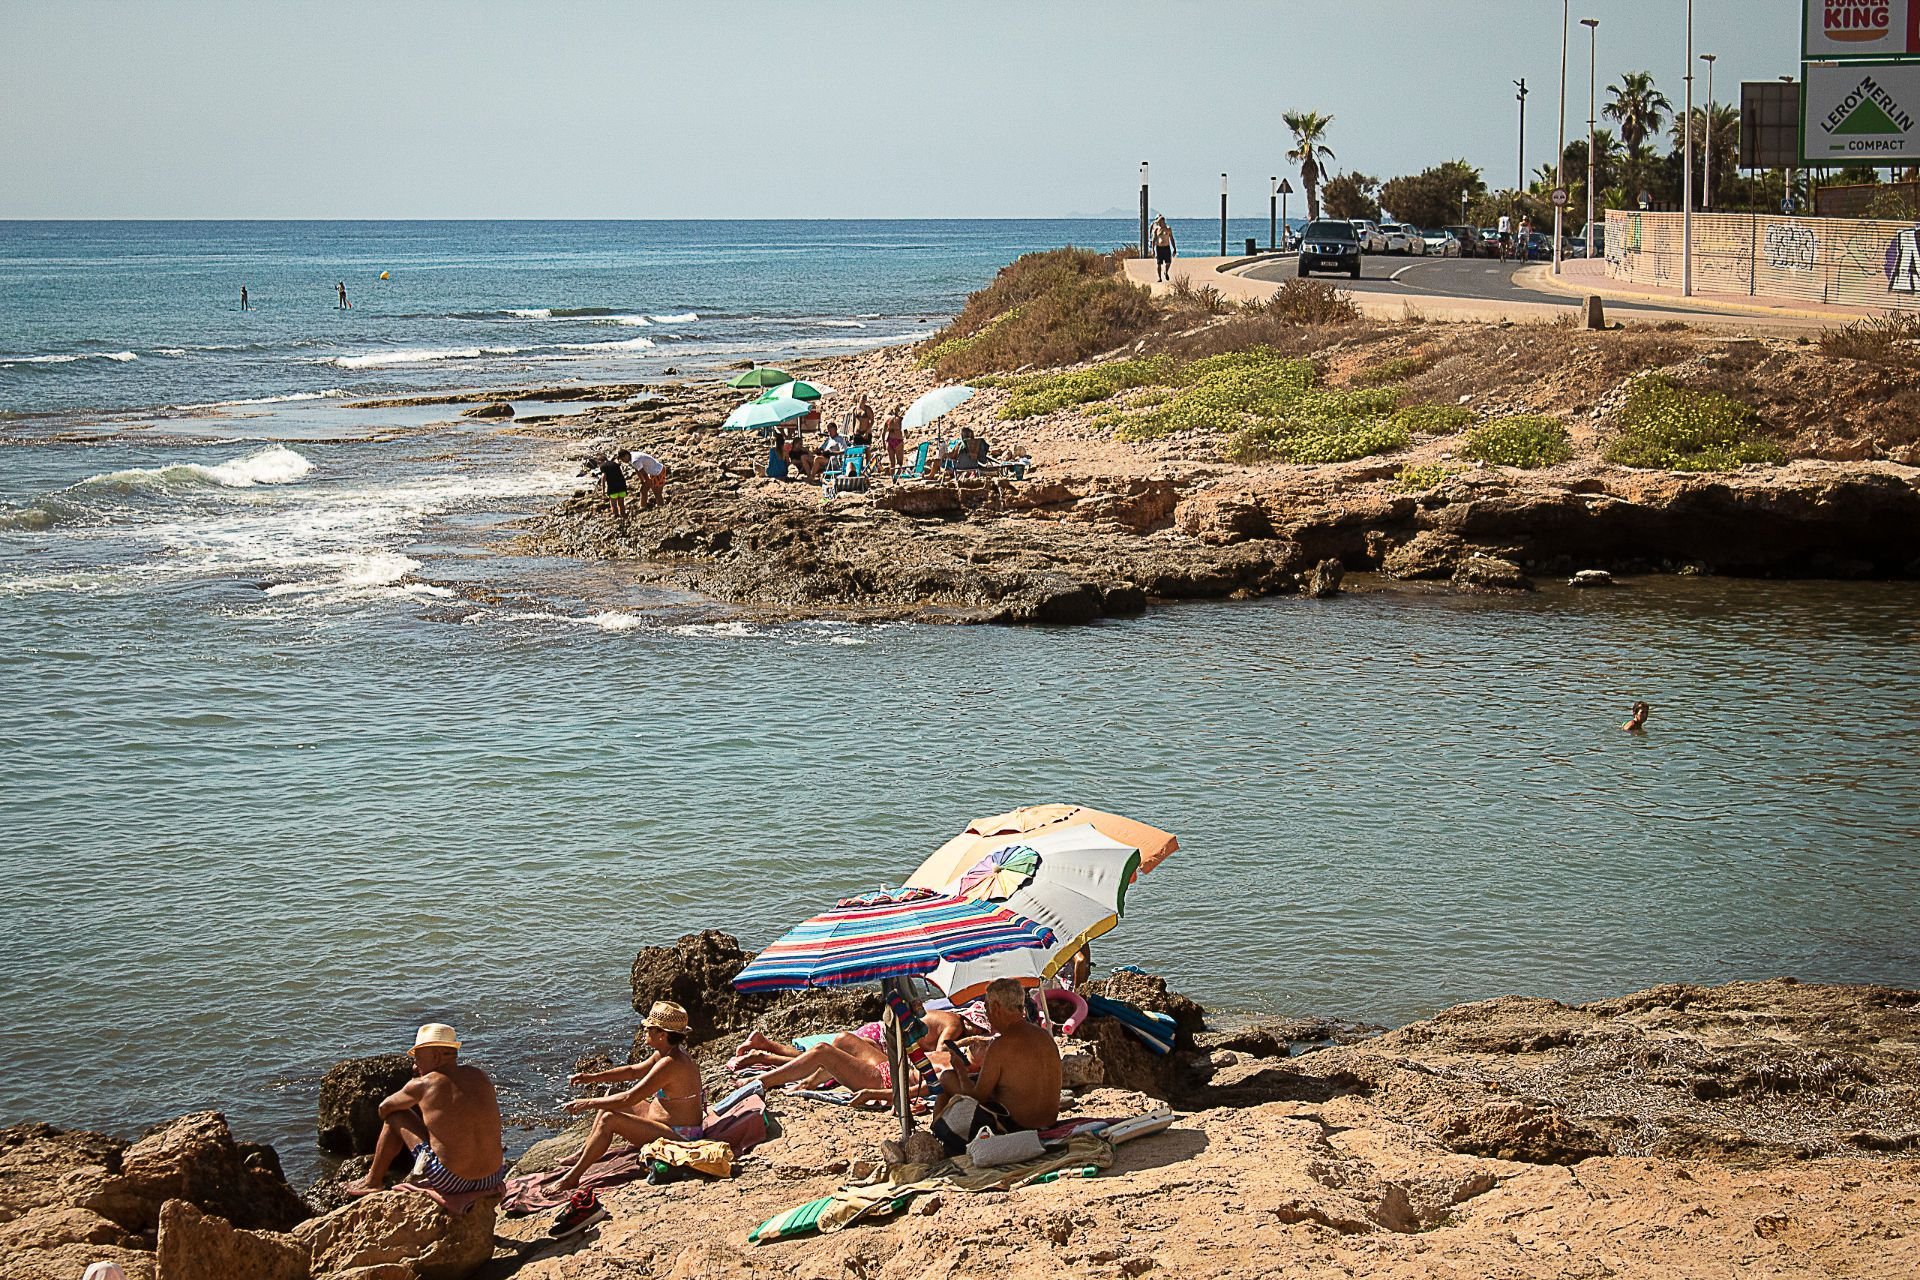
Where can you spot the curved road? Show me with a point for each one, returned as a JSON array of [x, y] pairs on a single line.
[[1455, 278]]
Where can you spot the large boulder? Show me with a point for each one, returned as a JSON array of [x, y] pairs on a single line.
[[350, 1097], [1428, 554], [398, 1227], [1148, 991], [697, 972], [198, 1246], [1483, 574], [196, 1159]]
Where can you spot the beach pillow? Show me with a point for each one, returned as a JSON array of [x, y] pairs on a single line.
[[1138, 1127]]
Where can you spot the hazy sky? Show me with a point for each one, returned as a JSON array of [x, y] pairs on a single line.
[[801, 108]]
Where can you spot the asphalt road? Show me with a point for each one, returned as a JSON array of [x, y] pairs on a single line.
[[1452, 278]]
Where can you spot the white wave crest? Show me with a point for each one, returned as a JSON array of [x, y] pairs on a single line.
[[684, 318], [381, 359], [120, 356], [275, 464], [381, 569], [531, 313], [331, 394], [169, 351], [630, 344], [628, 322], [842, 324]]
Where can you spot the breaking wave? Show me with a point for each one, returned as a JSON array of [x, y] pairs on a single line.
[[275, 464]]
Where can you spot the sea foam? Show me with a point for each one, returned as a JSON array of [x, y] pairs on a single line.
[[275, 464], [120, 357]]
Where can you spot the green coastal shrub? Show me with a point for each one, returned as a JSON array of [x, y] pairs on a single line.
[[1434, 419], [1051, 308], [1525, 440], [1398, 369], [1421, 479], [956, 349], [1042, 393], [1670, 428]]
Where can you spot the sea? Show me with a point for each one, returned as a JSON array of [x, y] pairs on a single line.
[[300, 753]]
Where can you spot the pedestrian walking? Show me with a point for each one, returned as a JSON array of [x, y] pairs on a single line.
[[1162, 237]]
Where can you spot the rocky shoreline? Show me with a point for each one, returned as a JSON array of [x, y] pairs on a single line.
[[1753, 1128], [1102, 528]]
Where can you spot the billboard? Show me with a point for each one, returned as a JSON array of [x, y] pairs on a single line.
[[1769, 125], [1861, 29], [1861, 113]]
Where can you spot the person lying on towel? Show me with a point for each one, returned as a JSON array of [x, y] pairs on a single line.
[[857, 1058], [1018, 1085], [667, 1100]]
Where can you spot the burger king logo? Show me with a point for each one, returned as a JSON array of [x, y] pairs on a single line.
[[1858, 20]]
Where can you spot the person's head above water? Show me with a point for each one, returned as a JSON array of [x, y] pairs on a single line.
[[1640, 712]]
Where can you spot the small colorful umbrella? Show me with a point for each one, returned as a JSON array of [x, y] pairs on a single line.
[[868, 942], [761, 377], [984, 835], [999, 873]]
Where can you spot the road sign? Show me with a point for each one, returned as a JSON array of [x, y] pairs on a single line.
[[1861, 29], [1560, 197], [1861, 113]]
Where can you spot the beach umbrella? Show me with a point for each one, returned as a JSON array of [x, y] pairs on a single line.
[[984, 835], [1072, 879], [793, 389], [756, 414], [761, 377], [935, 404]]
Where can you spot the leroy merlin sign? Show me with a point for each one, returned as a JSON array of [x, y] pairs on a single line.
[[1861, 112]]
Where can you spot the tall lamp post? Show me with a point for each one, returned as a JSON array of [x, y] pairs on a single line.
[[1273, 213], [1707, 181], [1560, 156], [1520, 184], [1788, 201], [1223, 215], [1286, 189], [1146, 251], [1686, 195], [1593, 170]]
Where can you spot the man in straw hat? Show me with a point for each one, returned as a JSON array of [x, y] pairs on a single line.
[[667, 1100], [447, 1117]]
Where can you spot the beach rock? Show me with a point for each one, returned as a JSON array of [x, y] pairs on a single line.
[[37, 1161], [1591, 578], [697, 973], [198, 1246], [1523, 1131], [1490, 575], [399, 1227], [1049, 598], [1080, 1067], [350, 1095], [499, 409], [1126, 1063], [551, 1153], [1428, 554], [329, 1191], [1324, 582], [1220, 519], [196, 1159]]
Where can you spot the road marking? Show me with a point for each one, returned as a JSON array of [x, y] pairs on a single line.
[[1402, 271]]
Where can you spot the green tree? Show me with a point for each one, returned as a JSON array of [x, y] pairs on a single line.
[[1431, 198], [1310, 151], [1638, 107], [1353, 195], [1721, 131]]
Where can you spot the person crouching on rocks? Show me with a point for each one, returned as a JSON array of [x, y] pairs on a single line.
[[447, 1117], [668, 1099], [650, 473], [614, 477]]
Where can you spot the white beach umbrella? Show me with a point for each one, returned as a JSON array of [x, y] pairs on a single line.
[[1072, 880], [765, 413], [934, 404]]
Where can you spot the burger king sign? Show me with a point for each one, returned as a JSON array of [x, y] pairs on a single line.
[[1862, 28]]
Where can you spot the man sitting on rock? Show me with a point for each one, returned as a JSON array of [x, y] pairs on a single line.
[[668, 1099], [1018, 1085], [447, 1117]]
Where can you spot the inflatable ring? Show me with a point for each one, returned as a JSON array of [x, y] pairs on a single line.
[[1076, 1011]]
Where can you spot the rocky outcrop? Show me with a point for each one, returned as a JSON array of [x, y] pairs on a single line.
[[198, 1246], [498, 409], [348, 1123], [196, 1159], [697, 973], [1428, 554], [1489, 575], [398, 1228]]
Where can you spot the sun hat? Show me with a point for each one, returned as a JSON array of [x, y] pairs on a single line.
[[105, 1271], [435, 1035], [666, 1015]]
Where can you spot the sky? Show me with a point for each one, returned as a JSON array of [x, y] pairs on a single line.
[[800, 109]]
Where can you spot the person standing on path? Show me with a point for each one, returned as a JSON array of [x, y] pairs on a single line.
[[1162, 237], [243, 299], [340, 288]]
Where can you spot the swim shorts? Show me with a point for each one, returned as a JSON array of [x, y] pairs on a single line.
[[429, 1172]]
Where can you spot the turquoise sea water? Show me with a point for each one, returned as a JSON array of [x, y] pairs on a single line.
[[296, 760]]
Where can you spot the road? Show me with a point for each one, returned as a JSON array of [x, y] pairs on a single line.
[[1454, 278]]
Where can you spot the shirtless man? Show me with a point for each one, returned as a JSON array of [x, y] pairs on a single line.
[[1018, 1086], [447, 1117], [667, 1100], [1638, 724]]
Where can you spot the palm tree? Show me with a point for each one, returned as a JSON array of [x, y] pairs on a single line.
[[1639, 107], [1309, 150], [1718, 130]]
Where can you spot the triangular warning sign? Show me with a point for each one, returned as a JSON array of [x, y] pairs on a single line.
[[1868, 117]]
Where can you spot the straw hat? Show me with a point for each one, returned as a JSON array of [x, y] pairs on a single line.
[[435, 1035], [667, 1016]]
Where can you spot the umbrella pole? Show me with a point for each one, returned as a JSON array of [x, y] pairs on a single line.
[[897, 1056]]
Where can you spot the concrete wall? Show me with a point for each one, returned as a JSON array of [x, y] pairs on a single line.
[[1857, 262]]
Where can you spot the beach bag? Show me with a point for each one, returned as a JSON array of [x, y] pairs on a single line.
[[743, 1128], [992, 1149]]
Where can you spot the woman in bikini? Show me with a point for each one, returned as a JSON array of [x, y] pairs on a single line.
[[895, 437], [667, 1100]]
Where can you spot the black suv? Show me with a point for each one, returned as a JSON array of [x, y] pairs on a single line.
[[1330, 245]]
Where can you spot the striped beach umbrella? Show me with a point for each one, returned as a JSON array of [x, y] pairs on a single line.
[[872, 941]]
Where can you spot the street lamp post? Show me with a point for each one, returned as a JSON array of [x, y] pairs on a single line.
[[1223, 215], [1593, 170], [1707, 180], [1560, 156], [1686, 195], [1145, 250], [1286, 189], [1787, 202], [1521, 183], [1273, 213]]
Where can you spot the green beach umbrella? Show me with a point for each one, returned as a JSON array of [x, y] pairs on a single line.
[[761, 377], [795, 390], [756, 414]]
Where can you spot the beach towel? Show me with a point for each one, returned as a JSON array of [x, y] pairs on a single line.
[[743, 1128], [1155, 1030], [715, 1159]]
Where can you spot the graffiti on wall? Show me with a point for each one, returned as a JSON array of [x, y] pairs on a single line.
[[1791, 248], [1903, 262]]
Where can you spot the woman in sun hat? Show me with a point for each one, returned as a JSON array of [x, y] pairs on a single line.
[[667, 1100]]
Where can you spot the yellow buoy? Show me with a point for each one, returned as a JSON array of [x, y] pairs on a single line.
[[383, 275]]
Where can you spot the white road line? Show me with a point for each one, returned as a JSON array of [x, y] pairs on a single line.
[[1410, 266]]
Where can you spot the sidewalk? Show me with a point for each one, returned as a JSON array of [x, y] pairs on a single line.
[[1583, 276], [1222, 274]]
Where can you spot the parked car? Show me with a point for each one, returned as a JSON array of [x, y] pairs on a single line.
[[1495, 243], [1468, 239], [1372, 238], [1440, 244], [1576, 247], [1330, 245], [1402, 238]]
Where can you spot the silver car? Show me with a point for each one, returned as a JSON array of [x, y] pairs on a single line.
[[1402, 238], [1372, 238]]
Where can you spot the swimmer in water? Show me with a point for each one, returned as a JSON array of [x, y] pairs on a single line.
[[1639, 722]]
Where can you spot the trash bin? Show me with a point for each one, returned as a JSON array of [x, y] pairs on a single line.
[[1252, 248]]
